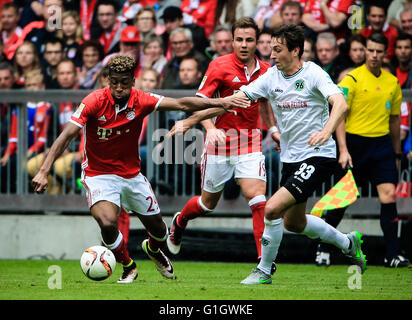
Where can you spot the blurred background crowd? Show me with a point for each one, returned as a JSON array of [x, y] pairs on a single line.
[[66, 44]]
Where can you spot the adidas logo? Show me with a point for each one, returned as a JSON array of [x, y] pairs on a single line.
[[236, 79], [102, 118]]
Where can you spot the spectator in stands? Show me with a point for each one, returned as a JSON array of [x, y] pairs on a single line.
[[129, 46], [327, 53], [38, 32], [53, 54], [376, 16], [66, 77], [372, 135], [220, 42], [102, 78], [145, 21], [269, 13], [201, 13], [109, 26], [6, 83], [173, 19], [402, 61], [38, 114], [394, 10], [406, 20], [161, 6], [308, 50], [182, 46], [289, 13], [10, 30], [150, 80], [87, 16], [189, 74], [356, 52], [264, 50], [92, 55], [25, 59], [72, 35], [228, 11], [327, 16], [153, 57]]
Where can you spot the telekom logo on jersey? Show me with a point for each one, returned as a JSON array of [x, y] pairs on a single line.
[[189, 147]]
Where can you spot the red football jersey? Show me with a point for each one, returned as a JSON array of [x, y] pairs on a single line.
[[223, 78], [112, 131]]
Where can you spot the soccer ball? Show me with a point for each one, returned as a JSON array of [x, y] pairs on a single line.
[[98, 263]]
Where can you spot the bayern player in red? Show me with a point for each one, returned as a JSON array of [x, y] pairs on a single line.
[[233, 142], [111, 119]]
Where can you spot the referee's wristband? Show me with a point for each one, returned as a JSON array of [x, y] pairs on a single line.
[[273, 129], [398, 156]]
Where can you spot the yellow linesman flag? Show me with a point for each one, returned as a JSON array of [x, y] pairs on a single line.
[[341, 195]]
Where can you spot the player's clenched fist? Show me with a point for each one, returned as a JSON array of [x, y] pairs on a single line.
[[40, 182]]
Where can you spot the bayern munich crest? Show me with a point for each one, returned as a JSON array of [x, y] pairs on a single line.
[[130, 115]]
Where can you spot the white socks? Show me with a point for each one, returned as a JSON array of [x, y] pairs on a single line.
[[272, 236], [317, 228], [115, 244]]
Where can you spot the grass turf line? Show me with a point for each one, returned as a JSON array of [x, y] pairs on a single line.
[[29, 280]]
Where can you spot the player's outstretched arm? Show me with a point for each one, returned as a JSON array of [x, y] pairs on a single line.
[[39, 182], [191, 104], [238, 99], [339, 109]]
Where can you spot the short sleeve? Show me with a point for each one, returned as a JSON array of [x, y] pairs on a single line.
[[210, 82], [147, 101], [323, 82], [258, 88], [347, 86], [396, 100], [84, 111]]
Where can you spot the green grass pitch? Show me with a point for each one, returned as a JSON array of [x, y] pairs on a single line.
[[64, 280]]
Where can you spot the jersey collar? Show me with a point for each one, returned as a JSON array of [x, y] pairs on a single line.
[[118, 108], [242, 66]]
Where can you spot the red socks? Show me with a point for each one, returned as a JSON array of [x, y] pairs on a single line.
[[257, 205], [192, 210], [119, 249], [123, 223]]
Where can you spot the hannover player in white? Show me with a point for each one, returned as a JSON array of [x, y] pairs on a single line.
[[299, 93]]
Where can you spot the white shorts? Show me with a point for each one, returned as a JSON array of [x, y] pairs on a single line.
[[134, 194], [218, 169]]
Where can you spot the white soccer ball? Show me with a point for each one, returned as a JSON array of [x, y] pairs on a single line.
[[98, 263]]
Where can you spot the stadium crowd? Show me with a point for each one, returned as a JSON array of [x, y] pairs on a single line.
[[66, 44]]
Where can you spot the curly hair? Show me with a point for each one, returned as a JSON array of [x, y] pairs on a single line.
[[122, 64]]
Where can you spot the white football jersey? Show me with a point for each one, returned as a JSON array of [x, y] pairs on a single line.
[[300, 106]]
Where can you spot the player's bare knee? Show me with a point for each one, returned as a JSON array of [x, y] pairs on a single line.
[[272, 212], [293, 225]]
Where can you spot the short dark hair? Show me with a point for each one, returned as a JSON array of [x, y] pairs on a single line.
[[114, 3], [54, 40], [265, 30], [92, 43], [291, 4], [293, 35], [9, 5], [377, 4], [122, 64], [378, 38], [5, 65], [356, 38], [243, 23], [403, 36]]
